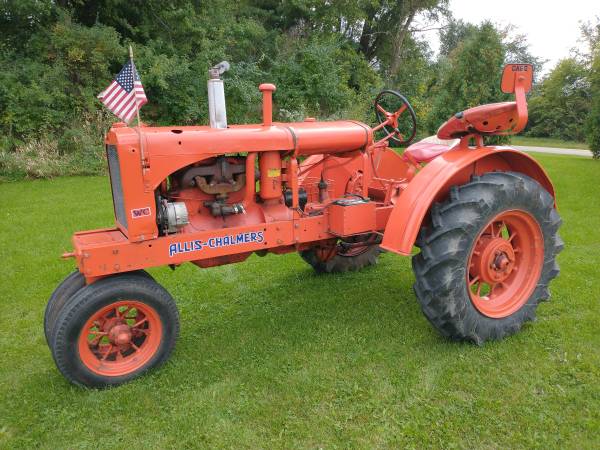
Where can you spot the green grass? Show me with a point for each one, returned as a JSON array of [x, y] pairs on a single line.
[[547, 142], [273, 356]]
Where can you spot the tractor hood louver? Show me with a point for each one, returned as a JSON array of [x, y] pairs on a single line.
[[114, 169]]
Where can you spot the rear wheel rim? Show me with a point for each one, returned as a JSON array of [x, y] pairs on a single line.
[[120, 339], [505, 264]]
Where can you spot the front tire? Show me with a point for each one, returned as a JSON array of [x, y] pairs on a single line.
[[114, 330], [63, 292], [487, 257]]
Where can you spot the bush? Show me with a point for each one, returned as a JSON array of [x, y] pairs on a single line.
[[470, 76], [593, 120], [79, 150], [560, 104]]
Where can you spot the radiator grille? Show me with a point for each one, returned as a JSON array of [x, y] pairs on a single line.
[[115, 182]]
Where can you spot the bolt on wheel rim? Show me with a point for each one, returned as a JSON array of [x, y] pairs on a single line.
[[505, 264], [120, 338]]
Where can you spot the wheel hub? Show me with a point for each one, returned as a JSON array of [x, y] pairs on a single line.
[[120, 334], [493, 259]]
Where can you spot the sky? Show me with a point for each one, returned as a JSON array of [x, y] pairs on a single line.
[[551, 27]]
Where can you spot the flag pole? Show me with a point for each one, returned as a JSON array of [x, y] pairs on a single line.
[[137, 111]]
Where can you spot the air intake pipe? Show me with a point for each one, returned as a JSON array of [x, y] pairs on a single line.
[[217, 110], [267, 90]]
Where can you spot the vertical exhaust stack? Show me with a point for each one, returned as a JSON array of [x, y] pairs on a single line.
[[217, 110]]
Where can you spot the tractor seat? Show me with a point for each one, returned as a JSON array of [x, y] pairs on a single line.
[[494, 118], [427, 149]]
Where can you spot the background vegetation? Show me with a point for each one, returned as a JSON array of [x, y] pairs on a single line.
[[329, 59]]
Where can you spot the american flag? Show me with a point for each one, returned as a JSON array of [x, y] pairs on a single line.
[[125, 95]]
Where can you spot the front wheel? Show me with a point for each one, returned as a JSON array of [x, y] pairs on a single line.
[[114, 330], [487, 257]]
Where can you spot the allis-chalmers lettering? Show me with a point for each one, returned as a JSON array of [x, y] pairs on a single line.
[[216, 242]]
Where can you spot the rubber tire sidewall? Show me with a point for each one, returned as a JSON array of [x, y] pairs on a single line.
[[65, 290], [88, 301]]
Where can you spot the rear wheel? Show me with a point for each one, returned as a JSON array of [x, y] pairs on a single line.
[[487, 257], [114, 330], [353, 253]]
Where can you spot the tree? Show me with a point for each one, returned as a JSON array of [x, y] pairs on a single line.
[[593, 120], [560, 104], [469, 76], [591, 35]]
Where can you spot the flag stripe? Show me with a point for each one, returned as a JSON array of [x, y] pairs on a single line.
[[125, 102], [115, 99], [108, 90], [113, 91], [129, 114]]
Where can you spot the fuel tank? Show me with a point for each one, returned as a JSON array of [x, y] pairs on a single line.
[[341, 136], [302, 138]]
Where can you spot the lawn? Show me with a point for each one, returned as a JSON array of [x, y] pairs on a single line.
[[273, 356], [547, 142]]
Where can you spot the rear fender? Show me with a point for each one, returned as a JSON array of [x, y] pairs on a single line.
[[434, 181]]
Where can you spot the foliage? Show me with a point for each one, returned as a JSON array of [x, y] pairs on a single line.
[[560, 104], [593, 121], [591, 34], [469, 75], [328, 59]]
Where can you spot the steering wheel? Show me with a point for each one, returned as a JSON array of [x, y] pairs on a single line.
[[400, 128]]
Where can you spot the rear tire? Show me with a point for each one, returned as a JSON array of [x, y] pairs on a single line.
[[341, 261], [468, 297], [114, 330]]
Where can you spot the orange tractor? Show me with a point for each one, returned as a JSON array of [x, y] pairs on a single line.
[[483, 217]]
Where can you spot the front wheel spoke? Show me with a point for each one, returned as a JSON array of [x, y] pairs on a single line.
[[474, 280], [108, 352], [123, 313], [137, 324], [380, 108], [97, 339], [98, 332], [512, 236]]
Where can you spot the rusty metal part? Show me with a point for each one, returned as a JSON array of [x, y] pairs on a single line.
[[222, 170], [216, 188]]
